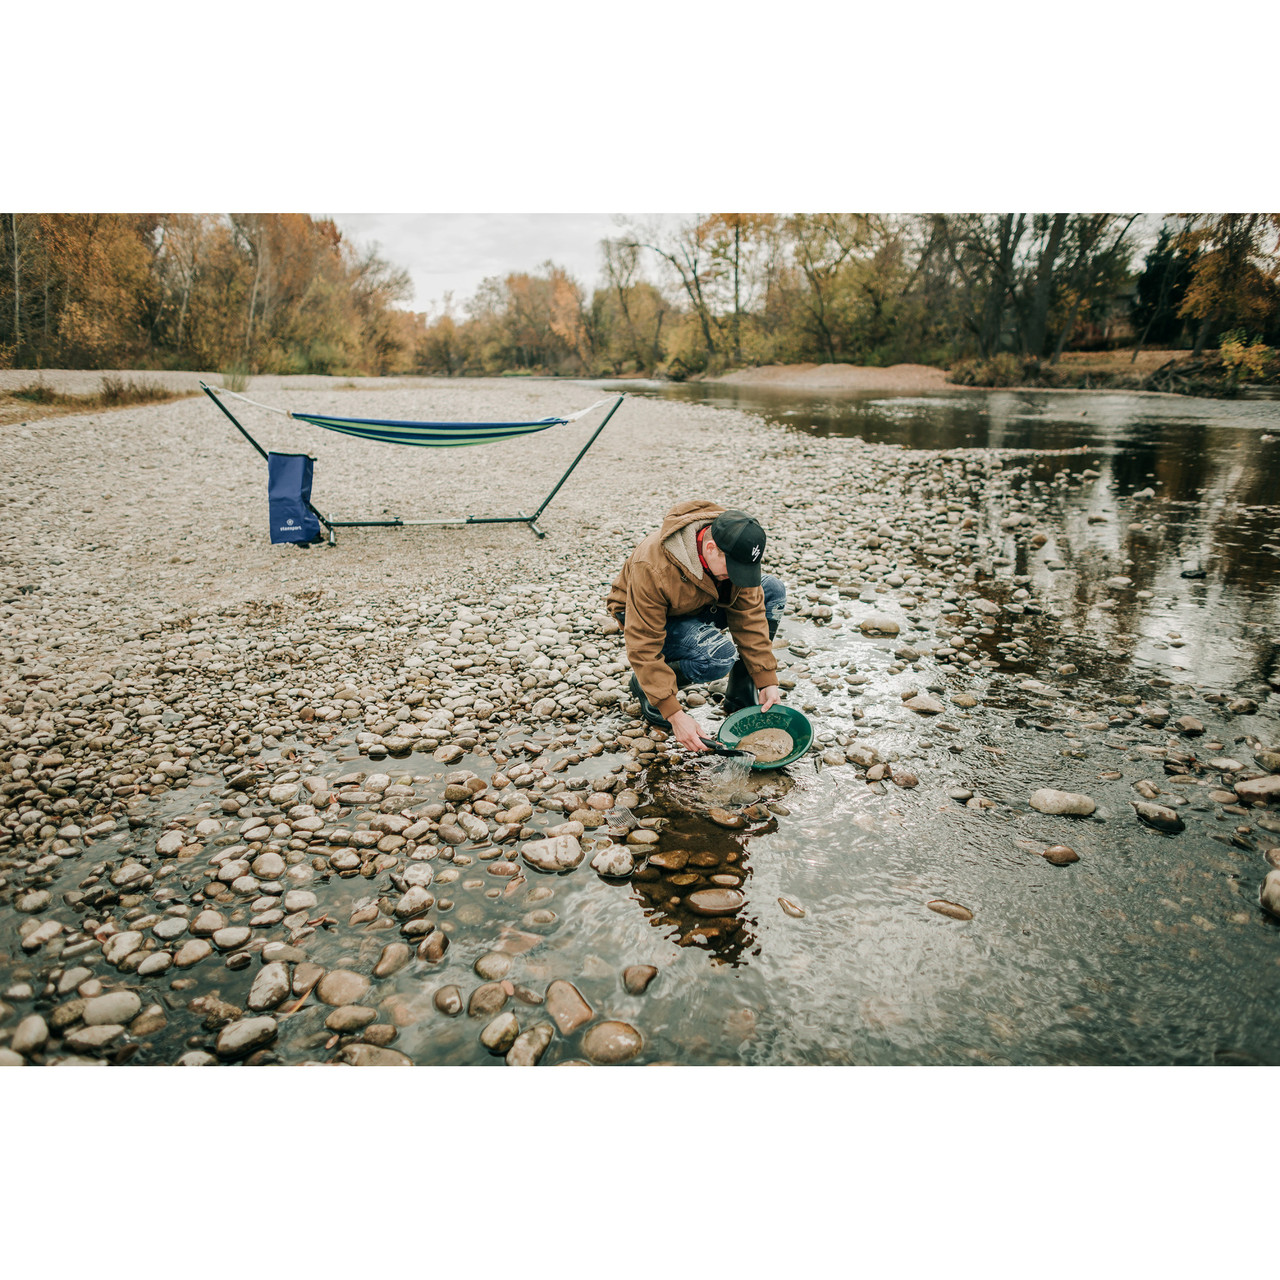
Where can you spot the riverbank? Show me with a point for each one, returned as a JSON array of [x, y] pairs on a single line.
[[269, 804], [839, 377]]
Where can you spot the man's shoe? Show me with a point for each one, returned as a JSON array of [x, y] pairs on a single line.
[[647, 709]]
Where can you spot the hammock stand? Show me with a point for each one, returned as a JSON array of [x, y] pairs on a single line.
[[437, 434]]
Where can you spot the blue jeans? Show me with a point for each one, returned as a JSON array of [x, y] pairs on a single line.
[[699, 643]]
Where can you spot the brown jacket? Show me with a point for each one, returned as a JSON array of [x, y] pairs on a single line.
[[663, 579]]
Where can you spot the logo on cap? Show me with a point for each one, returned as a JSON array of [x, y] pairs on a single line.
[[755, 553]]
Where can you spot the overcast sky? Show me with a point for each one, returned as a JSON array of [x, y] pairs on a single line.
[[455, 251]]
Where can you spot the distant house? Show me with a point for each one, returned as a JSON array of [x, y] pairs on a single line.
[[1111, 324]]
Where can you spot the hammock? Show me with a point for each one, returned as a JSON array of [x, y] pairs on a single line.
[[438, 435]]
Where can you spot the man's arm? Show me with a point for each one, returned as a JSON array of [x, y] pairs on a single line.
[[645, 633], [750, 631]]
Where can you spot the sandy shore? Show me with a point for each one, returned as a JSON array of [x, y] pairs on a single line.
[[842, 377]]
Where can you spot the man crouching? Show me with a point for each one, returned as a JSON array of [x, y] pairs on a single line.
[[678, 590]]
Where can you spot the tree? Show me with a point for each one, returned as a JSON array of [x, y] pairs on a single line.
[[686, 249], [1162, 285], [1233, 279]]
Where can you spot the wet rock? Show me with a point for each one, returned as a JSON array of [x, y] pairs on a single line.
[[1061, 803], [1268, 760], [269, 988], [349, 1018], [8, 1058], [34, 902], [613, 860], [499, 1035], [1267, 788], [1269, 894], [149, 1021], [1189, 726], [207, 923], [449, 1001], [394, 957], [373, 1055], [952, 909], [233, 936], [120, 945], [30, 1035], [791, 908], [341, 986], [433, 947], [925, 705], [879, 624], [115, 1006], [637, 977], [567, 1007], [244, 1035], [558, 853], [715, 902], [612, 1042], [530, 1045], [417, 900], [87, 1039], [196, 1058], [486, 1000], [1060, 855], [723, 818], [493, 965], [1158, 816]]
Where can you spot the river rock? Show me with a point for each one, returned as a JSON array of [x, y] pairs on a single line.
[[791, 908], [233, 936], [637, 977], [115, 1006], [952, 909], [724, 818], [269, 988], [557, 853], [530, 1045], [613, 860], [879, 624], [350, 1018], [1267, 788], [394, 957], [715, 902], [1060, 855], [1068, 803], [1158, 816], [30, 1035], [244, 1035], [196, 1058], [567, 1006], [493, 966], [612, 1042], [486, 1000], [192, 952], [373, 1055], [448, 1000], [87, 1039], [1269, 894], [417, 900], [924, 705], [499, 1035], [341, 986]]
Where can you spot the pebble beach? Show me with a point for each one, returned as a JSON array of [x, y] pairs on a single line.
[[208, 743]]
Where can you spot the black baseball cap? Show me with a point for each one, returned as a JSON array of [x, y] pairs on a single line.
[[742, 540]]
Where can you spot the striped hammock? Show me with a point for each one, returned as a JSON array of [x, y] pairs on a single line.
[[438, 435]]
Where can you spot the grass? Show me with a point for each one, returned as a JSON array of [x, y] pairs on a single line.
[[114, 392]]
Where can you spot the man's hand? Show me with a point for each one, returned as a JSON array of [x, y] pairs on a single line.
[[685, 729], [770, 697]]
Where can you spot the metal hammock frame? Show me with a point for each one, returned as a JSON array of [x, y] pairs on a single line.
[[440, 431]]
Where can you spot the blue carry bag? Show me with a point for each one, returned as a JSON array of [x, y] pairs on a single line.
[[289, 497]]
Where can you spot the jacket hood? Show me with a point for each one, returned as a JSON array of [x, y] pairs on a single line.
[[685, 513]]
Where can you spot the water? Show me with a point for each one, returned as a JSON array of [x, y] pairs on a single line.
[[1151, 949]]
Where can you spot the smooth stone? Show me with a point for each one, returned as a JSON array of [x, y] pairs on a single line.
[[952, 909], [556, 853], [120, 945], [612, 1042], [115, 1006], [299, 900], [486, 1000], [723, 818], [394, 957], [207, 923], [350, 1017], [373, 1055], [567, 1007], [1158, 816], [89, 1038], [30, 1035], [791, 908], [879, 624], [1060, 855], [192, 952], [417, 900], [530, 1045], [341, 986], [149, 1021], [499, 1035], [637, 977], [1269, 893], [231, 937], [449, 1001], [244, 1035], [613, 860], [493, 966], [169, 928], [1061, 803], [1267, 788], [715, 902], [196, 1058], [269, 988], [925, 705]]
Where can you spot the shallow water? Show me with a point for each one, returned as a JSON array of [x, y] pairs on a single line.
[[1150, 949]]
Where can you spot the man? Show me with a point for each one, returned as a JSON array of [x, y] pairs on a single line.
[[677, 591]]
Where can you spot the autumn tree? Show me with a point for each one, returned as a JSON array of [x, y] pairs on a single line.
[[1234, 277]]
